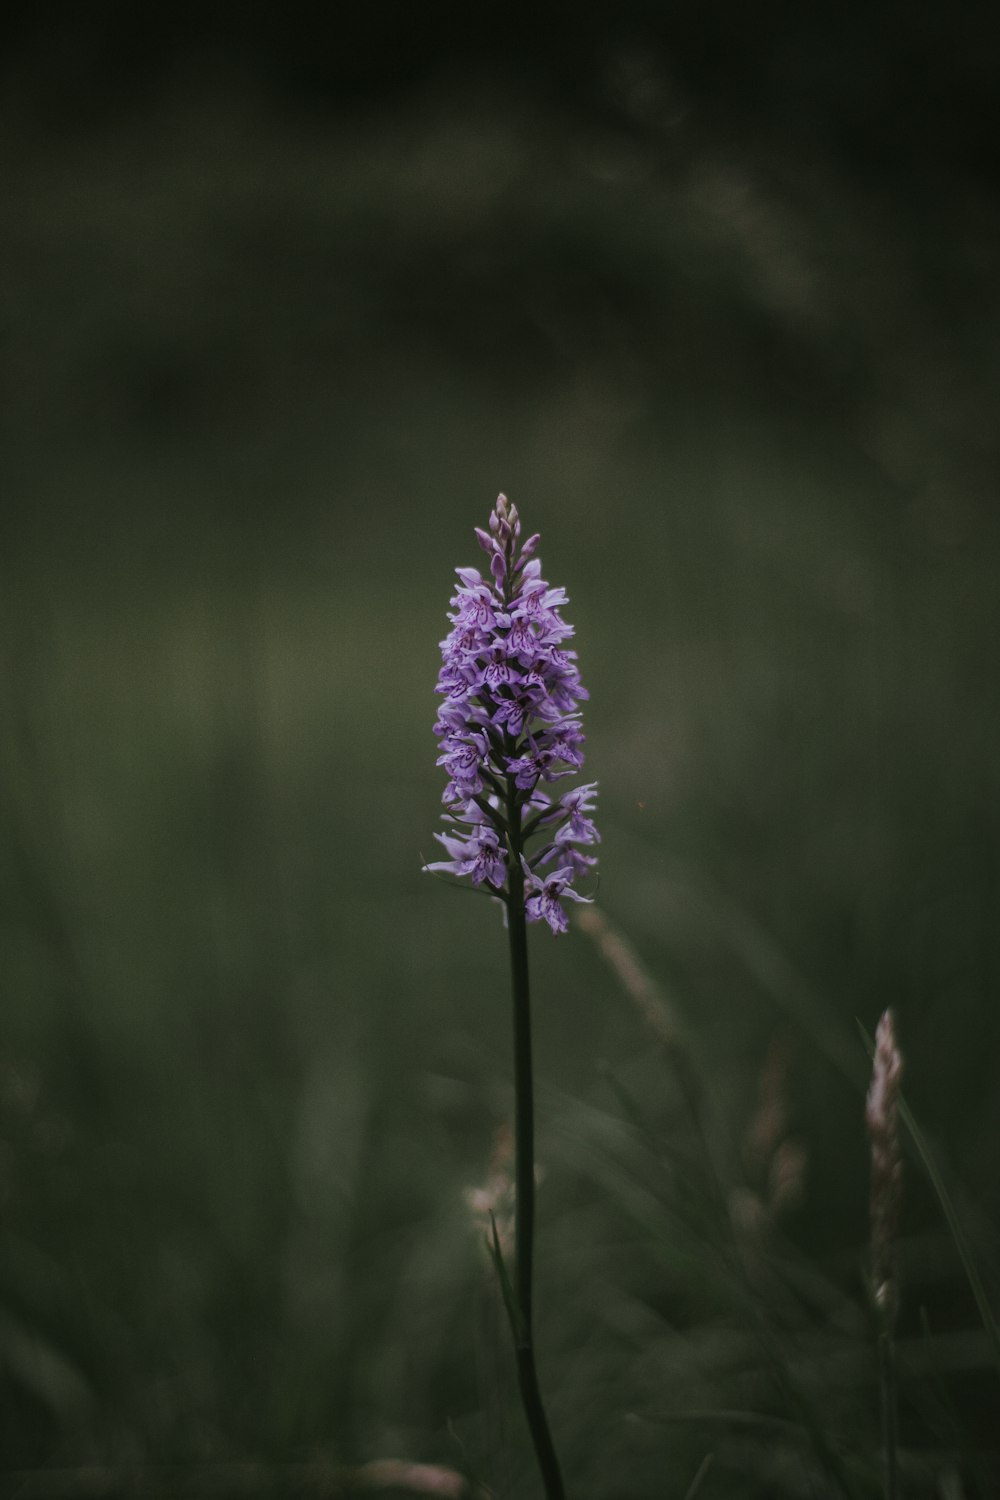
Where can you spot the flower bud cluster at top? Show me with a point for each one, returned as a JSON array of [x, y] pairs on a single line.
[[509, 727]]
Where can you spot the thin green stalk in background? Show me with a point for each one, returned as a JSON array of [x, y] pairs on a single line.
[[955, 1225], [890, 1413]]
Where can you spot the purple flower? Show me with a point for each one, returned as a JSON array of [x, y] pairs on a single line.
[[479, 856], [509, 724], [543, 903], [576, 804]]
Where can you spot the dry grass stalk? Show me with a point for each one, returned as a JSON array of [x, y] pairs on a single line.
[[635, 980], [882, 1117]]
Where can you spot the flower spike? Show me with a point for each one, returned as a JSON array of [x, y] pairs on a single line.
[[509, 726]]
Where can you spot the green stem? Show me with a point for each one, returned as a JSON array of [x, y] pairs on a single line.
[[890, 1416], [524, 1164]]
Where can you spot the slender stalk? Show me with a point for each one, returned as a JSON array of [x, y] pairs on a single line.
[[890, 1414], [882, 1120], [524, 1162], [958, 1233]]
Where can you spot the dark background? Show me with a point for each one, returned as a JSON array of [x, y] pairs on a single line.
[[288, 296]]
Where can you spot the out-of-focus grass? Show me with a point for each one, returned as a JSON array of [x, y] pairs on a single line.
[[267, 383]]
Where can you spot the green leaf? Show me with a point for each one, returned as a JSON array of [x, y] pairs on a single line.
[[517, 1324]]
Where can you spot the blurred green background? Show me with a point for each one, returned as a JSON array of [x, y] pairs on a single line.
[[287, 299]]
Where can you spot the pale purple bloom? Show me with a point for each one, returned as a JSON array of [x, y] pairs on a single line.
[[509, 725], [576, 804], [547, 893], [478, 856]]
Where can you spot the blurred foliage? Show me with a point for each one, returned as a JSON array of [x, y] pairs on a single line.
[[718, 306]]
